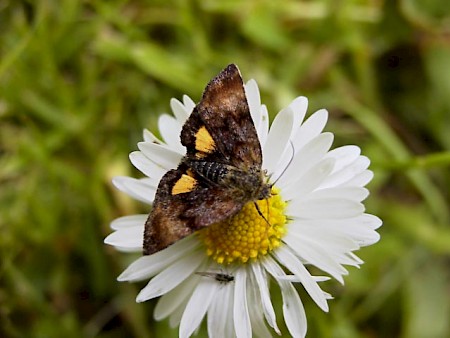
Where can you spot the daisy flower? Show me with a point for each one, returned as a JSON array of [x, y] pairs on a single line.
[[224, 272]]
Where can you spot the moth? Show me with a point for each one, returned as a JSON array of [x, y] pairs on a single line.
[[220, 172]]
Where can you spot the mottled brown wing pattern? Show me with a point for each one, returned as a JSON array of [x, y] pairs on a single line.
[[225, 113], [164, 226], [174, 217]]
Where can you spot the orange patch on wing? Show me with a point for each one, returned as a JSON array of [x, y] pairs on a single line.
[[186, 183], [204, 142]]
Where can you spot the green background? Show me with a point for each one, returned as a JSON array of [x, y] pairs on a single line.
[[79, 80]]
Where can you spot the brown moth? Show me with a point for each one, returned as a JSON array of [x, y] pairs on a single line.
[[220, 172]]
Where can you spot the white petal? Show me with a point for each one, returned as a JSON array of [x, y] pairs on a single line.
[[147, 266], [188, 104], [138, 189], [361, 234], [180, 111], [128, 249], [129, 238], [174, 299], [263, 128], [144, 267], [218, 312], [293, 311], [260, 329], [312, 127], [170, 130], [355, 258], [328, 236], [283, 164], [327, 233], [196, 308], [150, 137], [324, 208], [351, 259], [315, 255], [175, 317], [360, 180], [306, 158], [360, 229], [240, 311], [344, 156], [290, 261], [254, 101], [263, 287], [161, 154], [171, 276], [128, 221], [369, 239], [259, 326], [278, 139], [308, 181], [299, 106], [147, 166], [295, 279], [289, 278], [229, 323], [364, 221], [357, 194], [347, 173], [371, 221]]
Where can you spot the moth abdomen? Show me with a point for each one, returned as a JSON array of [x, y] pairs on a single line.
[[212, 171]]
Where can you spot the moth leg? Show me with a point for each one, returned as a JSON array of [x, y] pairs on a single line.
[[260, 213]]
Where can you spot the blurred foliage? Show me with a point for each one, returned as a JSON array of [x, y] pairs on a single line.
[[80, 79]]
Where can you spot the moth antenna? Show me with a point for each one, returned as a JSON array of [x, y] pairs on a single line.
[[282, 173], [287, 165]]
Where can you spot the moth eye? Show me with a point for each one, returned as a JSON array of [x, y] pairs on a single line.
[[185, 184], [204, 142]]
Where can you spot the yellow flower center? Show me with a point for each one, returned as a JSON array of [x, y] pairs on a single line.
[[247, 235]]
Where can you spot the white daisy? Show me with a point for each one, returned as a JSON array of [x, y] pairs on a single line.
[[316, 218]]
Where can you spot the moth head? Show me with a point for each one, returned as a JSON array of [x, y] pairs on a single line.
[[265, 191]]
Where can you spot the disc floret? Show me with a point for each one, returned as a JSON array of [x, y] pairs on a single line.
[[248, 235]]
